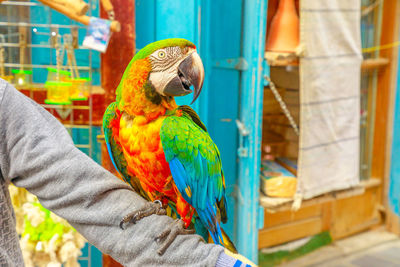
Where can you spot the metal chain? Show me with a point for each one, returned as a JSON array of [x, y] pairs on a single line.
[[71, 60], [2, 55], [59, 55], [283, 105], [2, 73]]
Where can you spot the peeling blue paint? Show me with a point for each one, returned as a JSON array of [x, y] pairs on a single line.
[[230, 36], [251, 104], [394, 188]]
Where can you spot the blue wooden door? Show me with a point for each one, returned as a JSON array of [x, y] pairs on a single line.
[[394, 188], [250, 214], [230, 38]]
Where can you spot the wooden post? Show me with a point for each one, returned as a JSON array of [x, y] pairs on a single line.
[[385, 86], [120, 51], [384, 106], [392, 219], [251, 95], [115, 25], [77, 6]]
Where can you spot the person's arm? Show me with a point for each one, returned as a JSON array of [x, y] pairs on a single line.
[[37, 153]]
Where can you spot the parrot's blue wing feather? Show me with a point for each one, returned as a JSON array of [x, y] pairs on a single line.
[[107, 133], [196, 169]]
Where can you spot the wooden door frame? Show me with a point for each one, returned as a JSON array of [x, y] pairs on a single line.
[[384, 111]]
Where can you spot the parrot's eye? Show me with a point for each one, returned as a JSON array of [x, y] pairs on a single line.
[[161, 54]]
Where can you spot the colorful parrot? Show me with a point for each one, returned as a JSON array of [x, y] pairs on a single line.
[[163, 150]]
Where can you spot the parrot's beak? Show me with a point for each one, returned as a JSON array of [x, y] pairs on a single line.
[[190, 72]]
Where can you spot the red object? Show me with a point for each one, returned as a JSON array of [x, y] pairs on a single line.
[[283, 34], [81, 116], [37, 94], [120, 51], [121, 48]]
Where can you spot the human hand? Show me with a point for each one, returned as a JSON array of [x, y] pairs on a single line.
[[241, 258]]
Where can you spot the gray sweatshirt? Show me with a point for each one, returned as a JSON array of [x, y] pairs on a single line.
[[37, 153]]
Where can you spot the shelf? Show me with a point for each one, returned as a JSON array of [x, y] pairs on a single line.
[[37, 46], [20, 3], [76, 126], [374, 63], [291, 59], [38, 25], [38, 66], [82, 146], [283, 204], [66, 107], [281, 59]]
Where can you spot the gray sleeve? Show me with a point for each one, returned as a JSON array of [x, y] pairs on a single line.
[[37, 153]]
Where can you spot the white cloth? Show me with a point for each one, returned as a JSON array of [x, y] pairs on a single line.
[[329, 96]]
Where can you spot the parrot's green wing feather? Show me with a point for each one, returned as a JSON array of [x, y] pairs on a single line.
[[193, 115], [196, 168], [115, 150]]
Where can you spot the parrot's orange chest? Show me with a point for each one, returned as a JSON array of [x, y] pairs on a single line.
[[142, 148]]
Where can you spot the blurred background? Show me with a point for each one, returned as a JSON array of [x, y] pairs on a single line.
[[300, 96]]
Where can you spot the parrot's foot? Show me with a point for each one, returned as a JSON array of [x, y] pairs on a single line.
[[176, 228], [147, 210]]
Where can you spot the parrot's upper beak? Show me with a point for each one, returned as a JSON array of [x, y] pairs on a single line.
[[190, 72]]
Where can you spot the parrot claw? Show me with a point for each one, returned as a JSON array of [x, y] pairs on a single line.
[[147, 210], [175, 229]]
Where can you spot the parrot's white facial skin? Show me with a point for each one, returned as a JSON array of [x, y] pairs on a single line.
[[160, 80], [165, 64]]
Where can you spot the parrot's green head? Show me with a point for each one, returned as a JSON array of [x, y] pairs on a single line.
[[175, 68]]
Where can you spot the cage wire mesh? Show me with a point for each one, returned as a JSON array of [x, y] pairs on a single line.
[[26, 17]]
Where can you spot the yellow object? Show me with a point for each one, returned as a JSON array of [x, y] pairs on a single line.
[[277, 181], [22, 78], [380, 47], [281, 186], [79, 89], [54, 74], [8, 78], [58, 93], [283, 33]]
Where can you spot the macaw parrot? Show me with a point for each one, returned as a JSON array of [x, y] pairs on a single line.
[[163, 150]]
